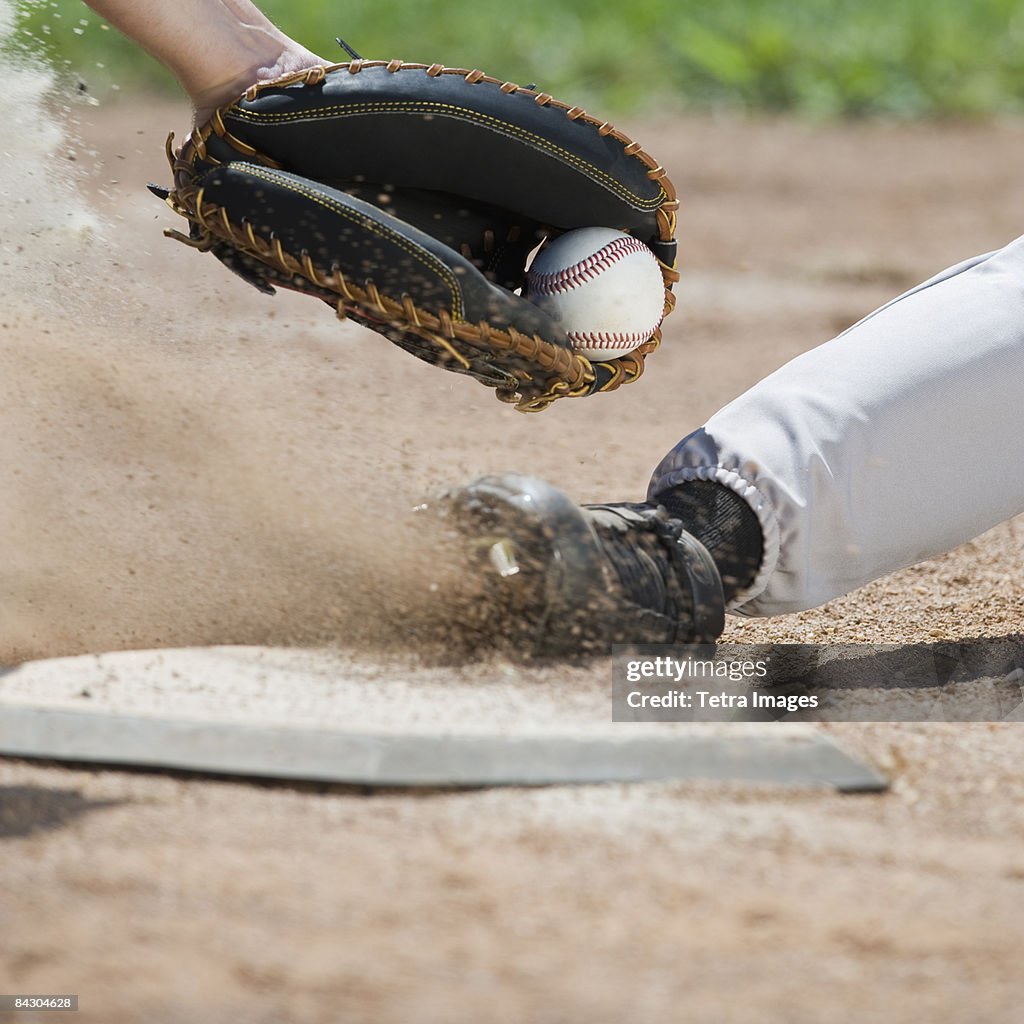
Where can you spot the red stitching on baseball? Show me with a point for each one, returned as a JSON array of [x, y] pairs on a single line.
[[587, 268], [608, 339]]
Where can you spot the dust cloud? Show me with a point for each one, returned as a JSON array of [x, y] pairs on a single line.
[[167, 482]]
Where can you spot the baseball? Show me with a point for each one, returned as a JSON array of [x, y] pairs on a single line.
[[602, 286]]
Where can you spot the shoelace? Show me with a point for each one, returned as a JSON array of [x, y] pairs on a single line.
[[638, 549]]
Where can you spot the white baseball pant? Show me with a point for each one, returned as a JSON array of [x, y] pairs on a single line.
[[896, 441]]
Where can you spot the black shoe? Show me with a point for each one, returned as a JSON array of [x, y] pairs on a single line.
[[574, 579]]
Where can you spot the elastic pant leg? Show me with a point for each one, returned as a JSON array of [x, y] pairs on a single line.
[[896, 441]]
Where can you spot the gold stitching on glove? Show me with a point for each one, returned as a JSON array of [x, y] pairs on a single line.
[[486, 120], [604, 128], [431, 262]]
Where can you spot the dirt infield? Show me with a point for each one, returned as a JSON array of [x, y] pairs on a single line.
[[191, 463]]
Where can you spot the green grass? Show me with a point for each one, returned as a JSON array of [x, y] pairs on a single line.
[[818, 57]]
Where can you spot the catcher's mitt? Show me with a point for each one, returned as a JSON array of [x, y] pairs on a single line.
[[409, 197]]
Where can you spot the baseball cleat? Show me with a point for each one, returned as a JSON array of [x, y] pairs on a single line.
[[569, 579]]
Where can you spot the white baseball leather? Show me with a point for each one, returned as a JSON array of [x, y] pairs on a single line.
[[603, 286]]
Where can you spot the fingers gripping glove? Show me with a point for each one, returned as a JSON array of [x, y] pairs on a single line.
[[410, 197]]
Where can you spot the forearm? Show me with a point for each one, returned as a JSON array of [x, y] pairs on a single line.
[[215, 48]]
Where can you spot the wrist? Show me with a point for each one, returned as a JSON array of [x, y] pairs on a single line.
[[215, 48], [262, 56], [271, 62]]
